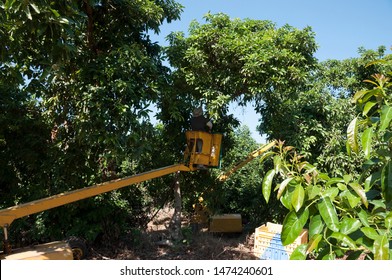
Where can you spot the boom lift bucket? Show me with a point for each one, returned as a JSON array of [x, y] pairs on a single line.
[[203, 148]]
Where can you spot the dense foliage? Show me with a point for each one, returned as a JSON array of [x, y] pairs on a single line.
[[77, 78], [349, 215], [242, 60]]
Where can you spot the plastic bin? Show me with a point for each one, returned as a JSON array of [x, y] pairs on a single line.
[[268, 244]]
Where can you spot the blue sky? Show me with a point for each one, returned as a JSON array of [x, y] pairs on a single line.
[[340, 26]]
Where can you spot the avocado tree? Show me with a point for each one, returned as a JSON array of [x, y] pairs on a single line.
[[76, 81], [231, 60]]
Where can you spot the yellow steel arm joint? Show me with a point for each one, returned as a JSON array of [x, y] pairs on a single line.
[[249, 158]]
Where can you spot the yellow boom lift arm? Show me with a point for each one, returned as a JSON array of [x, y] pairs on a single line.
[[250, 157]]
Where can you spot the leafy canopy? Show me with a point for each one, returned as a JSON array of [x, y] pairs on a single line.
[[237, 60]]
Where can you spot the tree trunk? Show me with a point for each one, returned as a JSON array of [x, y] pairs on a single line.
[[175, 226]]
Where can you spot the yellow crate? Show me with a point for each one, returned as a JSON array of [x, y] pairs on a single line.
[[268, 244], [226, 223]]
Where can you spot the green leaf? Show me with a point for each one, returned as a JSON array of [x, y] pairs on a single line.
[[313, 242], [370, 232], [324, 176], [293, 225], [386, 117], [283, 186], [277, 163], [358, 95], [341, 186], [333, 181], [352, 199], [348, 149], [373, 178], [299, 253], [366, 141], [316, 225], [362, 215], [329, 257], [360, 192], [28, 13], [369, 105], [285, 199], [313, 191], [347, 241], [266, 184], [331, 193], [352, 135], [386, 183], [63, 20], [35, 7], [381, 248], [265, 156], [349, 225], [328, 213], [388, 221], [55, 13], [347, 178], [379, 206], [297, 199]]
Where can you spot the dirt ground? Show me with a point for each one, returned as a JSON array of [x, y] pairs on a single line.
[[155, 243]]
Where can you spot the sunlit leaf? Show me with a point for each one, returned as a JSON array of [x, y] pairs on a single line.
[[328, 213], [344, 239], [386, 117], [28, 13], [352, 135], [316, 225], [368, 106], [331, 192], [341, 186], [352, 199], [386, 183], [313, 242], [266, 184], [277, 163], [347, 178], [381, 248], [283, 186], [333, 181], [362, 215], [360, 192], [265, 156], [299, 253], [298, 197], [388, 221], [285, 199], [349, 225], [35, 7], [293, 225], [366, 141], [370, 232], [358, 95], [312, 192]]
